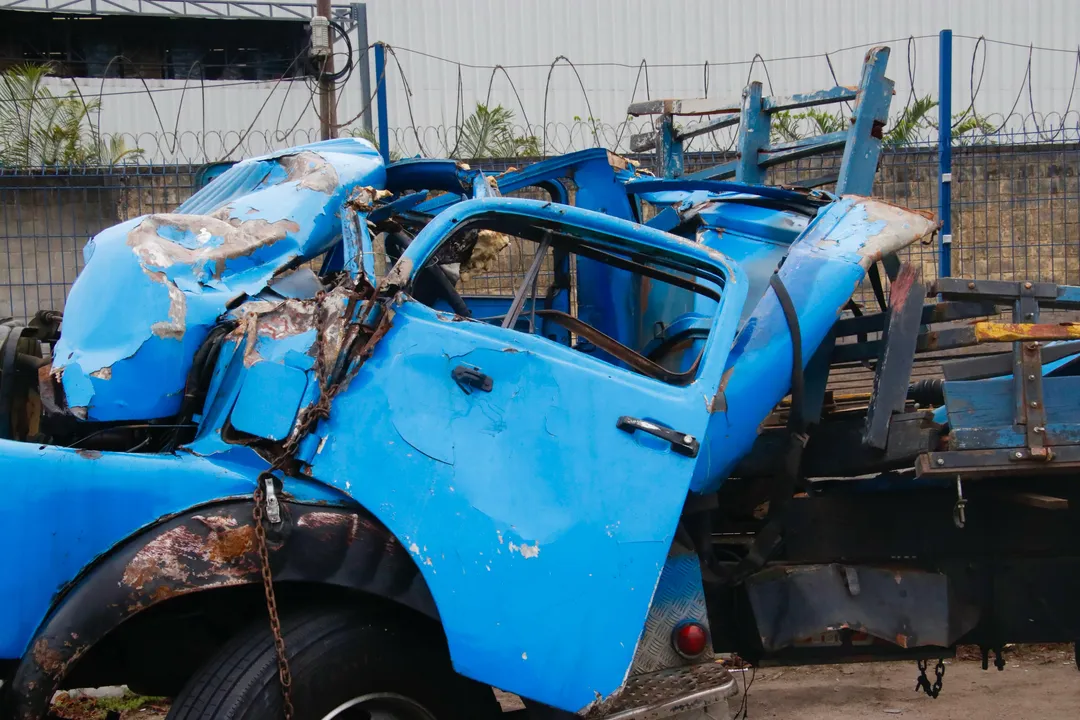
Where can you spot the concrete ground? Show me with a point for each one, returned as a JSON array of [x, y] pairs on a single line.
[[1038, 683]]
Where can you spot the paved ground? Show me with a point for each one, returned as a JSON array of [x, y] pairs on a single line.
[[1039, 683]]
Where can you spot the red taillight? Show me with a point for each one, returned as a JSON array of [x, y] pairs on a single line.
[[691, 639]]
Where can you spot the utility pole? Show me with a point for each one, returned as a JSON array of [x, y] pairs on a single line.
[[359, 16], [327, 93]]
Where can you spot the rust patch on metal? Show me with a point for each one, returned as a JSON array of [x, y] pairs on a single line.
[[331, 321], [900, 227], [181, 557], [49, 659], [325, 519], [333, 521], [362, 199], [175, 326], [51, 390], [161, 558], [899, 290], [227, 542], [88, 454], [725, 378], [277, 320]]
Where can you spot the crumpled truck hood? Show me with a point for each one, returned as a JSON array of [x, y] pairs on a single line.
[[154, 286]]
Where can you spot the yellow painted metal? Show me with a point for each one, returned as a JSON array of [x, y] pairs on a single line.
[[986, 332]]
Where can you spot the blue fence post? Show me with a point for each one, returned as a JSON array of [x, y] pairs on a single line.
[[945, 152], [380, 101]]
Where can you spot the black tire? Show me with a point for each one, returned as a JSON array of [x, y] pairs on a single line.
[[335, 655]]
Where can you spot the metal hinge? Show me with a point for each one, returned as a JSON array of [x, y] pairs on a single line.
[[273, 508]]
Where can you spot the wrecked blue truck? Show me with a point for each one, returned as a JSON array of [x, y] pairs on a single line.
[[343, 438]]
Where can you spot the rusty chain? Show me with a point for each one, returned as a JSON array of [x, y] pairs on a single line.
[[923, 683], [271, 598], [263, 501]]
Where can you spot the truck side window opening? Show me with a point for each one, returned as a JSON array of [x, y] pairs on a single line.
[[528, 296]]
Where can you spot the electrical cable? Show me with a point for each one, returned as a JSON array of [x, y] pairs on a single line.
[[459, 107], [345, 72], [408, 96], [265, 102]]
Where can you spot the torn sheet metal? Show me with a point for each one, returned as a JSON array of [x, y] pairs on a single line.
[[821, 272], [154, 286], [271, 367]]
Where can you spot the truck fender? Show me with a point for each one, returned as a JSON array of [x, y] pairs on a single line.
[[205, 548]]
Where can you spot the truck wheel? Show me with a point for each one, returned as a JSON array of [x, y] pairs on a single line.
[[345, 664]]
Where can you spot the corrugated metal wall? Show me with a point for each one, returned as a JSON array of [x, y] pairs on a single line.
[[607, 40]]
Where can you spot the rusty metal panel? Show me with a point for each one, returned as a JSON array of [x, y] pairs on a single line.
[[910, 608]]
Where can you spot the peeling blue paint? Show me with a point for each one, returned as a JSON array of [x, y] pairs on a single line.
[[171, 276]]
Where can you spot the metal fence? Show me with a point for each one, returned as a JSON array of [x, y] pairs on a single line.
[[1014, 213], [47, 216]]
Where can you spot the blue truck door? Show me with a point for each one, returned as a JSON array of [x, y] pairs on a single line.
[[537, 488]]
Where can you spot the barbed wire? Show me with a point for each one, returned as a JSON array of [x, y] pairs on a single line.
[[971, 126]]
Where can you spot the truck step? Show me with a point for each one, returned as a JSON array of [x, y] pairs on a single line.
[[697, 692]]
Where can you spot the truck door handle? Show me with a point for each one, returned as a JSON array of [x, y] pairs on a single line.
[[470, 378], [680, 442]]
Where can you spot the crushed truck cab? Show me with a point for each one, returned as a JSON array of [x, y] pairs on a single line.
[[542, 429]]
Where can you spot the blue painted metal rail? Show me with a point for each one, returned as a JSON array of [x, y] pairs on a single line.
[[861, 142]]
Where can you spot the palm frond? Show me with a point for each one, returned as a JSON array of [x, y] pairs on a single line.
[[40, 128], [914, 118]]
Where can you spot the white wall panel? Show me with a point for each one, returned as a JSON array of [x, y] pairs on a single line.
[[792, 35]]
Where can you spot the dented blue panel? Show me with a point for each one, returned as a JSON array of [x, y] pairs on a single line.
[[538, 513], [170, 276], [269, 400]]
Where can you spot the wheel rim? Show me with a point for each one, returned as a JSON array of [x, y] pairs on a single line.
[[379, 706]]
